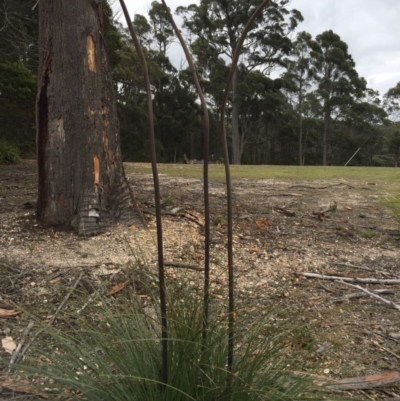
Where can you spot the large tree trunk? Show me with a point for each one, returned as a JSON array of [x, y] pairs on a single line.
[[81, 176], [301, 157], [236, 140], [325, 139]]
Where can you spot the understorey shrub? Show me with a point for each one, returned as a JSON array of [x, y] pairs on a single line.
[[9, 153]]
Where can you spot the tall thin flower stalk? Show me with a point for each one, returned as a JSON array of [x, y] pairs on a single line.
[[161, 270], [228, 179], [206, 136]]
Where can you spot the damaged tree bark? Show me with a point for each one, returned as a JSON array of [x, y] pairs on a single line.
[[81, 177]]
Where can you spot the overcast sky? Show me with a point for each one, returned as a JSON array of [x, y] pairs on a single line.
[[371, 29]]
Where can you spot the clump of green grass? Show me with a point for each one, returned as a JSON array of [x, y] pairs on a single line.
[[168, 200], [219, 220], [9, 153], [393, 203], [114, 353], [367, 233]]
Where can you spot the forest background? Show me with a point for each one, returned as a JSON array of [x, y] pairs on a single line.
[[317, 111]]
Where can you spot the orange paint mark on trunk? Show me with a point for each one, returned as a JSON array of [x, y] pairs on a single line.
[[96, 169], [91, 53]]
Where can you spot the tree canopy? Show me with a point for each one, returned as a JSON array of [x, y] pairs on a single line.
[[295, 99]]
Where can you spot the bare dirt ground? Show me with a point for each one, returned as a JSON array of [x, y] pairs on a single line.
[[282, 228]]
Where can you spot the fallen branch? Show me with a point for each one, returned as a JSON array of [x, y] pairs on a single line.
[[328, 186], [21, 343], [354, 383], [327, 289], [65, 299], [360, 294], [80, 310], [362, 268], [11, 281], [51, 320], [385, 349], [183, 266], [6, 313], [366, 382], [19, 386], [354, 266], [282, 194], [284, 211], [194, 216], [389, 336], [350, 279], [370, 293]]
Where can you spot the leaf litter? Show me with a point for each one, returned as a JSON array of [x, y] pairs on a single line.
[[322, 228]]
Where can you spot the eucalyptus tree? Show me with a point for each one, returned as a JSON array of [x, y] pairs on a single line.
[[18, 67], [17, 104], [216, 26], [312, 127], [81, 176], [18, 32], [176, 113], [360, 129], [392, 102], [298, 80], [162, 29], [394, 147], [258, 99], [143, 30], [338, 82]]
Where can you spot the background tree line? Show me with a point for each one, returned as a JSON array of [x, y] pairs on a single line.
[[318, 111]]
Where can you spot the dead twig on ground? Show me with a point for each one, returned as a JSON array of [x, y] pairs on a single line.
[[366, 382], [351, 279], [326, 288], [388, 336], [385, 349], [362, 268], [183, 266], [326, 187], [282, 194], [51, 321], [65, 299], [11, 281], [360, 294], [21, 343], [373, 295], [284, 211], [354, 266]]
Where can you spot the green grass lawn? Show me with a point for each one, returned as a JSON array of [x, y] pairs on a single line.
[[217, 171], [386, 179]]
